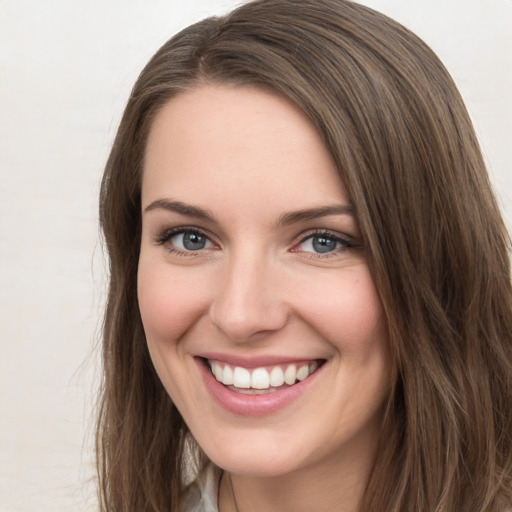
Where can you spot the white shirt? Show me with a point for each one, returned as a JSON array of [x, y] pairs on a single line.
[[203, 494]]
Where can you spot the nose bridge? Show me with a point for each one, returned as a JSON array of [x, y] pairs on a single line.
[[248, 300]]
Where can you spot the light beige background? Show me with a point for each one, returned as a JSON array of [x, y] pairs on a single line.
[[66, 68]]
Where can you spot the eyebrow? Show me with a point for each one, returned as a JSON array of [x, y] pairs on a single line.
[[315, 213], [284, 220], [181, 208]]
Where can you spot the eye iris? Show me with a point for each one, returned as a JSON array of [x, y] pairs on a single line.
[[193, 241], [324, 244]]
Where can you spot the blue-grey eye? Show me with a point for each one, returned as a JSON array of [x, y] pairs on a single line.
[[190, 241], [321, 243], [324, 244]]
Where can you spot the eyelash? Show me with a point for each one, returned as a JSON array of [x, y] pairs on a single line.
[[164, 238], [346, 243]]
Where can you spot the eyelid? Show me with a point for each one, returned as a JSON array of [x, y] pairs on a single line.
[[166, 235], [347, 242]]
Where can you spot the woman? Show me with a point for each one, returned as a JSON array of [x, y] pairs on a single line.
[[310, 296]]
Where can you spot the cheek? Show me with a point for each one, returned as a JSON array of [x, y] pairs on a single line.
[[170, 306], [169, 303], [347, 310]]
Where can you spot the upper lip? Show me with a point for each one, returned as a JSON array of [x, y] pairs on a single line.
[[254, 361]]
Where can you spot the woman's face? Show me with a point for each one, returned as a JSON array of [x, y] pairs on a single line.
[[251, 264]]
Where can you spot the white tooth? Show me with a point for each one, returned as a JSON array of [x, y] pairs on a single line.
[[302, 372], [227, 379], [241, 378], [260, 379], [217, 371], [276, 377], [312, 367], [290, 375]]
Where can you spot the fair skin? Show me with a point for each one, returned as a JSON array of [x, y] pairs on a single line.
[[251, 258]]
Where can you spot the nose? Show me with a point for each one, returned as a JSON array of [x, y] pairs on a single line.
[[249, 300]]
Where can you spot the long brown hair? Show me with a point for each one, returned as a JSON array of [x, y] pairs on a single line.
[[396, 126]]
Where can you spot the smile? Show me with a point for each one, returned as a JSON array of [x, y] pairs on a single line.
[[263, 379], [258, 386]]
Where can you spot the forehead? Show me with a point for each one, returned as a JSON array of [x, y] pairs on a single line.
[[237, 142]]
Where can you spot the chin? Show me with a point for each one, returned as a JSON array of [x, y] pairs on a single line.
[[261, 467], [266, 456]]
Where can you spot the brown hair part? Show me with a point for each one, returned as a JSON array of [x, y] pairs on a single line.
[[403, 142]]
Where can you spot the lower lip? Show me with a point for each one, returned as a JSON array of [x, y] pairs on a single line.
[[254, 405]]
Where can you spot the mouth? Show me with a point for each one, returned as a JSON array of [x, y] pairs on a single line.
[[262, 380]]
